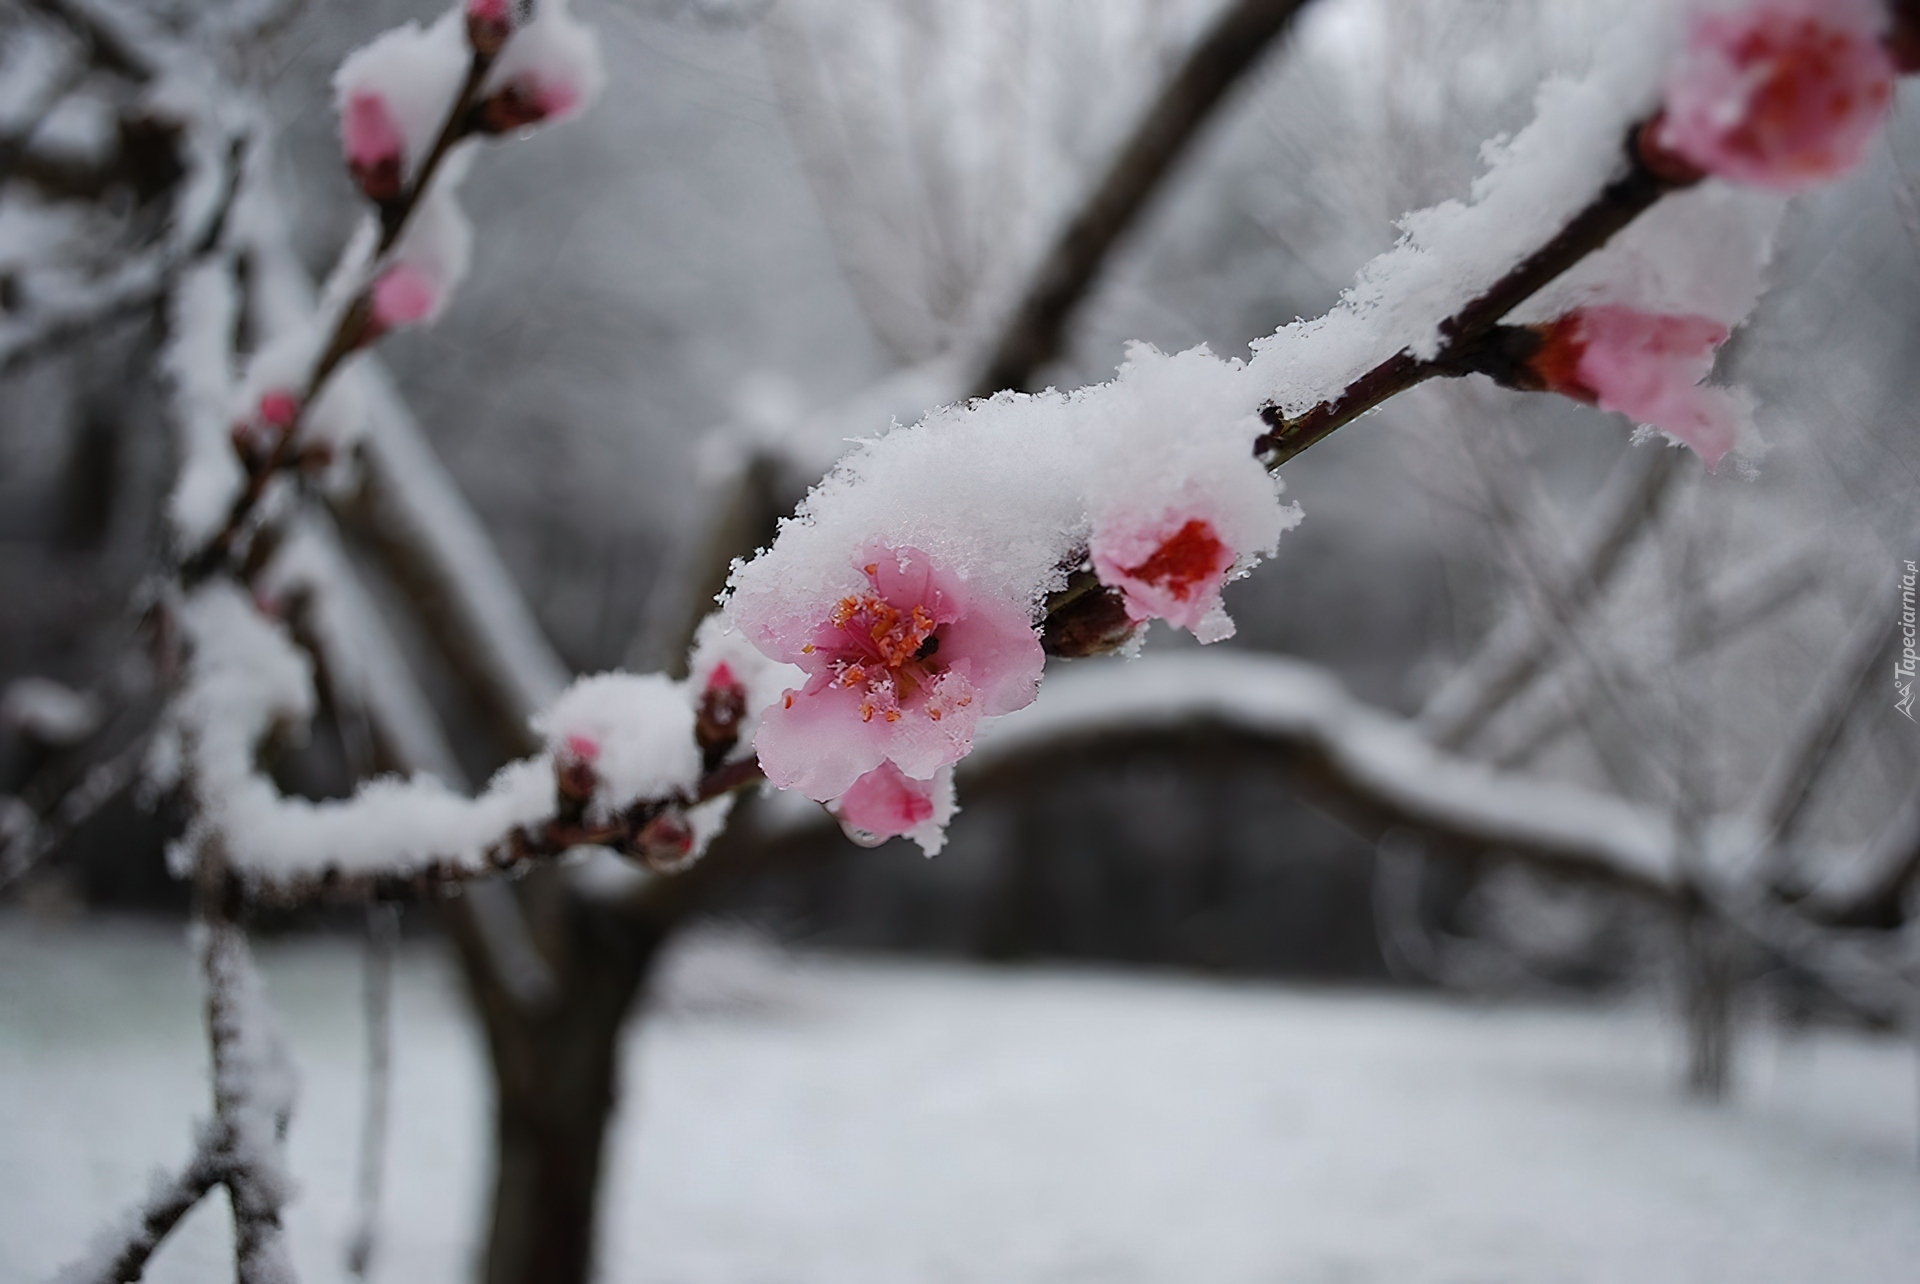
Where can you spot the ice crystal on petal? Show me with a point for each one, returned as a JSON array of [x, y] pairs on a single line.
[[886, 803], [899, 672], [1645, 365], [1781, 94]]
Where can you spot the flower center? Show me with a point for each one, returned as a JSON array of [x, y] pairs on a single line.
[[891, 655], [1184, 562]]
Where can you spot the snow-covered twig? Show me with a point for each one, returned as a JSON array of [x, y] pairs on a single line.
[[252, 1099], [349, 330], [120, 1255], [1471, 338], [383, 931]]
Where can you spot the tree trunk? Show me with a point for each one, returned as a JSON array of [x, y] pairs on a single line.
[[556, 1065], [1709, 985]]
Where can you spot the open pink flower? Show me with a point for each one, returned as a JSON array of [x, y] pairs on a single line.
[[374, 146], [886, 803], [1781, 94], [1645, 365], [900, 673], [1170, 568]]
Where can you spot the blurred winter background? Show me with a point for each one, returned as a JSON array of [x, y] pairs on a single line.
[[1167, 1008]]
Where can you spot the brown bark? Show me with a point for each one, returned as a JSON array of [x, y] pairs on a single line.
[[556, 1075]]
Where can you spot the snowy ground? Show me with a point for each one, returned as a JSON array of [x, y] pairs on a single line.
[[816, 1120]]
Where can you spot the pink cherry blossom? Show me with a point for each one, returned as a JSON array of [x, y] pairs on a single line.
[[901, 672], [1169, 568], [373, 145], [403, 295], [1781, 94], [1645, 365], [885, 803]]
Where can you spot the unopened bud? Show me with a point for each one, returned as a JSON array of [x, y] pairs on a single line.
[[489, 23], [279, 408], [716, 725], [517, 105], [374, 147], [664, 843], [573, 774]]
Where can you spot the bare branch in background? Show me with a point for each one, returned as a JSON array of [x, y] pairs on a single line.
[[1036, 332], [1523, 643]]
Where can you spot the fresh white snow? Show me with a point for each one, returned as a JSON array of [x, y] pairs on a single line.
[[812, 1119]]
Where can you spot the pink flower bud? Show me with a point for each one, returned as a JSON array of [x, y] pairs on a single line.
[[489, 23], [1781, 94], [373, 145], [524, 103], [1645, 365], [279, 409], [665, 843], [402, 296]]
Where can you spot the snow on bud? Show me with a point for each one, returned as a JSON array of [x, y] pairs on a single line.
[[1645, 365], [900, 670], [375, 151], [393, 96], [724, 667], [548, 72], [886, 803], [425, 268], [624, 739], [1781, 94], [1169, 537]]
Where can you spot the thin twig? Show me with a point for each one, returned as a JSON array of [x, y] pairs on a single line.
[[383, 933], [1617, 205], [123, 1258], [1216, 63]]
